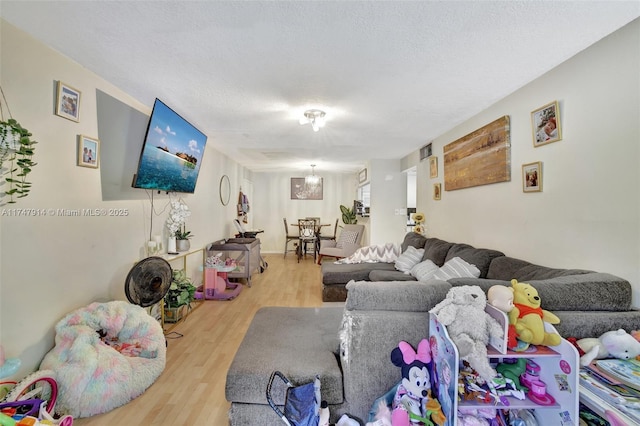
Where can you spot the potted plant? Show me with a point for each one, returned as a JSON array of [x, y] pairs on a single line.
[[16, 148], [348, 215], [181, 293], [182, 239]]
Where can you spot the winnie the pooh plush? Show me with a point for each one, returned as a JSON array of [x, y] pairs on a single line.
[[528, 317]]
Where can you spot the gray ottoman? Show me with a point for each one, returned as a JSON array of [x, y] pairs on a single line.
[[299, 342]]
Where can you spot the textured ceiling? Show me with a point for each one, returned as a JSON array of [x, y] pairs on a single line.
[[391, 75]]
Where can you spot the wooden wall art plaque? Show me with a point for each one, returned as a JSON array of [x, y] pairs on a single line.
[[479, 158]]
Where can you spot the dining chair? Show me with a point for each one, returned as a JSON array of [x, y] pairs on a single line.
[[335, 233], [318, 229], [306, 237], [288, 238]]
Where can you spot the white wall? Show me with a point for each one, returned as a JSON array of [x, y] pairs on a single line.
[[52, 264], [388, 220], [588, 215]]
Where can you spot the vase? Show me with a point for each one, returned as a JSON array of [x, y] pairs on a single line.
[[173, 314], [183, 245], [171, 245]]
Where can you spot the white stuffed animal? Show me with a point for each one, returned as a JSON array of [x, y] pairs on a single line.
[[469, 326], [612, 344]]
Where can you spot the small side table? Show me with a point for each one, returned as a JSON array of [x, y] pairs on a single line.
[[217, 285]]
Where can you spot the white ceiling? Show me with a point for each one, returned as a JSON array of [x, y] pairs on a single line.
[[391, 75]]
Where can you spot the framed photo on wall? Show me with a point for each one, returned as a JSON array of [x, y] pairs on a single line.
[[68, 102], [88, 151], [362, 176], [301, 191], [437, 191], [545, 122], [433, 167], [532, 177]]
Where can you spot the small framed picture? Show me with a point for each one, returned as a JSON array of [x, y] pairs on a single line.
[[437, 190], [545, 122], [362, 175], [433, 167], [88, 151], [532, 177], [68, 102]]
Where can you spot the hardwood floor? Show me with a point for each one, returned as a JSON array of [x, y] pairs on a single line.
[[190, 391]]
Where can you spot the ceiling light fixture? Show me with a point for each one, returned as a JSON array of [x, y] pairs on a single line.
[[315, 117], [312, 181]]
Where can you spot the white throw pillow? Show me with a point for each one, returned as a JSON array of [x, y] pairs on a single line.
[[424, 270], [456, 268], [346, 237], [407, 260]]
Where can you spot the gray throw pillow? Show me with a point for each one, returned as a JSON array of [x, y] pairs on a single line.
[[424, 270], [456, 268], [407, 260]]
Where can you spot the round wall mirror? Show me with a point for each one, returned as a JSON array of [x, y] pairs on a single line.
[[225, 190]]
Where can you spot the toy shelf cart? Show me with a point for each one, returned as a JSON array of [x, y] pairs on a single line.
[[555, 376], [246, 253]]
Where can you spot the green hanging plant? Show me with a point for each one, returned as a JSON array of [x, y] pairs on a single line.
[[16, 153]]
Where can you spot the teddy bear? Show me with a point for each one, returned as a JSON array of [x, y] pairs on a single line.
[[612, 344], [528, 317], [413, 403], [469, 326]]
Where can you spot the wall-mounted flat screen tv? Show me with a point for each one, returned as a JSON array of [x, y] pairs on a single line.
[[171, 154]]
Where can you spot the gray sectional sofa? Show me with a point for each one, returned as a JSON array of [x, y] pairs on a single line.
[[349, 348]]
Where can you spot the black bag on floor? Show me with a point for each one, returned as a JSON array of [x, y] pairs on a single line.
[[302, 403]]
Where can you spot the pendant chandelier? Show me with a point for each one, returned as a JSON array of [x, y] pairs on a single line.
[[312, 181]]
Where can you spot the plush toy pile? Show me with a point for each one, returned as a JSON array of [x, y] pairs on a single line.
[[106, 354]]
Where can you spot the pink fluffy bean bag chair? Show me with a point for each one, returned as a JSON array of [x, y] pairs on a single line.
[[106, 354]]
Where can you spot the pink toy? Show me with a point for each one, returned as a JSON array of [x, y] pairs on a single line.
[[537, 388], [413, 403]]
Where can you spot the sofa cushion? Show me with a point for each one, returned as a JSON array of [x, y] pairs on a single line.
[[346, 237], [408, 259], [508, 268], [424, 270], [333, 273], [456, 268], [480, 257], [436, 250], [385, 275], [299, 342], [414, 240], [403, 296], [584, 292], [584, 324]]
